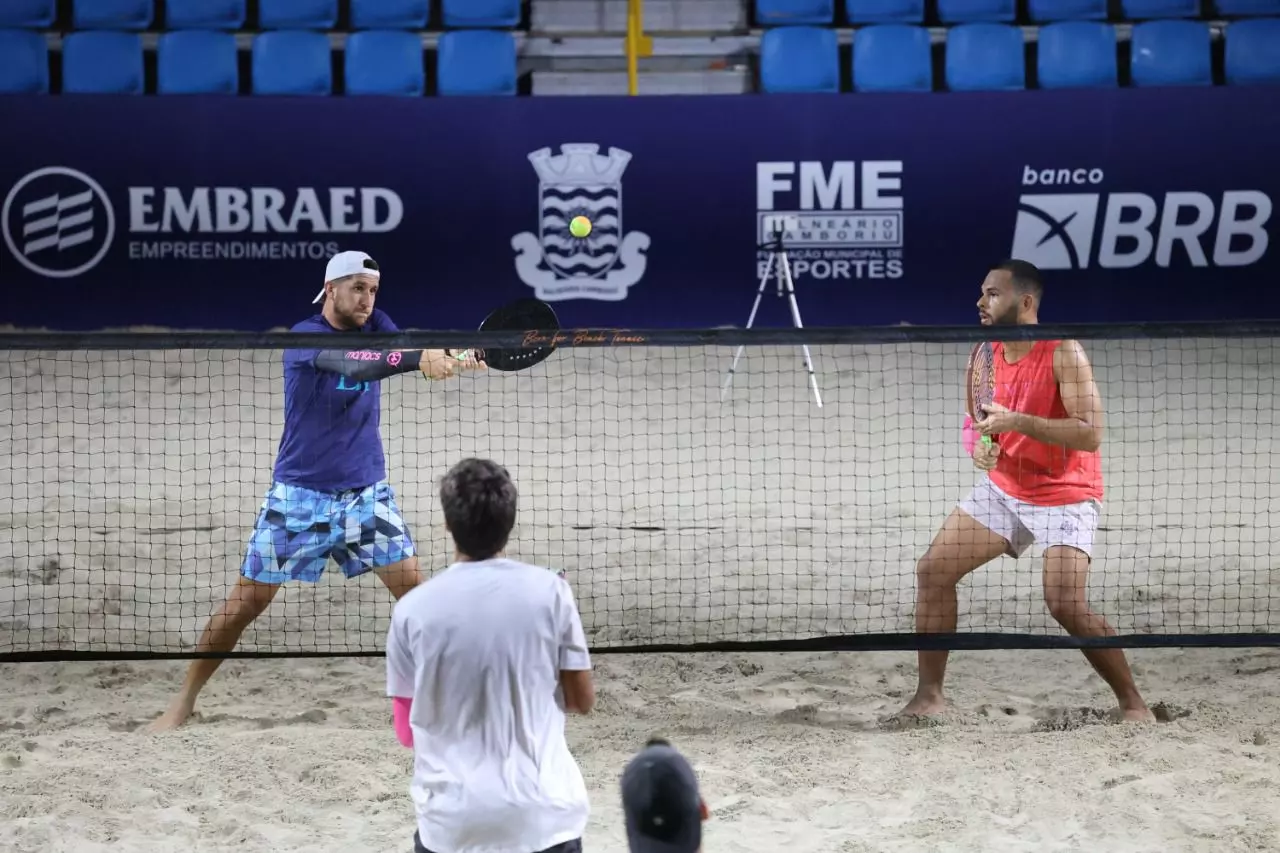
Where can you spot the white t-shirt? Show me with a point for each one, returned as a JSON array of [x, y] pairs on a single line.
[[479, 649]]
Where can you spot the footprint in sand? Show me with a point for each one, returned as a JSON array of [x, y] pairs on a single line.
[[909, 722], [1071, 719], [113, 676]]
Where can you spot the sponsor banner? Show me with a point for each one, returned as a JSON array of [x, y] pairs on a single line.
[[216, 213]]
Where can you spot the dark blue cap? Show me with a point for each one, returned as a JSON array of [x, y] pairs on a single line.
[[661, 801]]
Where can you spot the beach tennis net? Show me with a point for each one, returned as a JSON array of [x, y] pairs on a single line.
[[688, 512]]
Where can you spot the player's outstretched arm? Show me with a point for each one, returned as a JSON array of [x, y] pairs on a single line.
[[371, 365], [368, 365]]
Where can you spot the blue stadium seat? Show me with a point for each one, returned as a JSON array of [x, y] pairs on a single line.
[[985, 57], [112, 14], [34, 14], [1253, 51], [774, 13], [204, 14], [25, 69], [102, 62], [476, 62], [389, 14], [480, 13], [892, 58], [1077, 55], [1170, 53], [292, 62], [384, 62], [1067, 10], [799, 59], [191, 62], [1140, 10], [1247, 8], [966, 11], [297, 14], [884, 11]]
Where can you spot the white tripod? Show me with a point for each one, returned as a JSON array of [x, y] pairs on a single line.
[[778, 262]]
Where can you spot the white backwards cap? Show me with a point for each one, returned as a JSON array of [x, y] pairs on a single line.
[[344, 264]]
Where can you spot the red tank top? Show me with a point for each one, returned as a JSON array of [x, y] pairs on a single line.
[[1027, 469]]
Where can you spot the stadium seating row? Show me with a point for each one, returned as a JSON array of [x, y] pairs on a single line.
[[886, 57], [283, 62], [272, 14], [992, 56], [823, 12]]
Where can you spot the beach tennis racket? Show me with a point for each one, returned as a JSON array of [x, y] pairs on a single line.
[[982, 383], [521, 315]]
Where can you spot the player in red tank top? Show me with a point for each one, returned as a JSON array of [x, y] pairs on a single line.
[[1031, 465], [1043, 485]]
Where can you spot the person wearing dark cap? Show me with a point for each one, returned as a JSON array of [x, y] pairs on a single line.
[[660, 799]]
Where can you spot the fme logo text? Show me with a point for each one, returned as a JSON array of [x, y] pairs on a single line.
[[1060, 229], [844, 218]]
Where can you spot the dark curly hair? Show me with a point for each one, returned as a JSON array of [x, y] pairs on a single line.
[[479, 501]]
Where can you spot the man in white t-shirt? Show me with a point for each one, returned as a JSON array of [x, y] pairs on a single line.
[[483, 662]]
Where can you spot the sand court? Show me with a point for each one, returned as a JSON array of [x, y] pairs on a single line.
[[133, 478]]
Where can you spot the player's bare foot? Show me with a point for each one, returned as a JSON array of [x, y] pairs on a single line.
[[177, 714], [1137, 715], [925, 705], [923, 711], [1132, 708]]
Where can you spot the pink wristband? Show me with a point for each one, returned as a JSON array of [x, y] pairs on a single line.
[[400, 718], [969, 435]]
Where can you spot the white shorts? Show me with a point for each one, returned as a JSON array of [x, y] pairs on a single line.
[[1022, 524]]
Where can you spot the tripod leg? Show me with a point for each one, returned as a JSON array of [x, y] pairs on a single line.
[[764, 282], [795, 318], [813, 379]]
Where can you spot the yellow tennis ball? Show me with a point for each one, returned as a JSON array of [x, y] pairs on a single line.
[[580, 226]]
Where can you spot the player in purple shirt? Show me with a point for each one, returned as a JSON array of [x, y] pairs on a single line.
[[329, 496]]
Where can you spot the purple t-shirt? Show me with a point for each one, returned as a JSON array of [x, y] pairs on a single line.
[[330, 441]]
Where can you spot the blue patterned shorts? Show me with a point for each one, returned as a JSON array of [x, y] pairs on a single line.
[[299, 529]]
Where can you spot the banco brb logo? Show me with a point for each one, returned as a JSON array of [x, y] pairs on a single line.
[[1120, 230], [1055, 232], [58, 222]]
